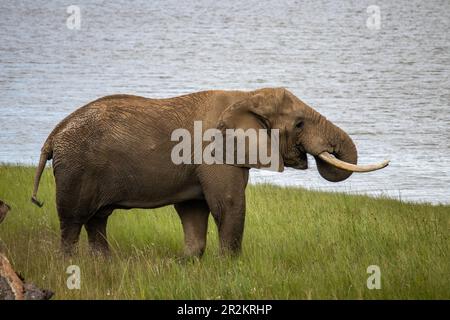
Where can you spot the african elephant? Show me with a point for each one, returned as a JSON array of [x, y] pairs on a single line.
[[115, 152]]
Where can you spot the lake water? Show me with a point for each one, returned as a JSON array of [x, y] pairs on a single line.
[[388, 88]]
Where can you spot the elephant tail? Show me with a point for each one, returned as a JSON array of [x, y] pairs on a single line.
[[46, 154]]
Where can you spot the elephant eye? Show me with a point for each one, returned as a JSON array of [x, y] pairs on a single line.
[[299, 124]]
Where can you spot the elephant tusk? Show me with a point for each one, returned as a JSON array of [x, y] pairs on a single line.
[[328, 158]]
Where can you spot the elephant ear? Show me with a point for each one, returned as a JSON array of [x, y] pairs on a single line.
[[249, 140]]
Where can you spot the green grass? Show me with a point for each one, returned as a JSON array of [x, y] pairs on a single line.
[[297, 244]]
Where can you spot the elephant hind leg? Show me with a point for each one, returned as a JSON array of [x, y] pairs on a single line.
[[70, 233], [96, 230], [77, 199], [194, 218]]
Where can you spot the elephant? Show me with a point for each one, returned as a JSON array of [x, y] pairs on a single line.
[[115, 153]]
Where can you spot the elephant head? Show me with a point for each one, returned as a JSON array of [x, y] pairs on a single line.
[[302, 130]]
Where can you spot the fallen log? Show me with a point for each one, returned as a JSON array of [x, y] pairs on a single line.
[[12, 285]]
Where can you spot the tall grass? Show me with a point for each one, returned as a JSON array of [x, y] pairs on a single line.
[[298, 244]]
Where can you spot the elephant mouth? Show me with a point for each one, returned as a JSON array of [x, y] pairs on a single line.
[[300, 161]]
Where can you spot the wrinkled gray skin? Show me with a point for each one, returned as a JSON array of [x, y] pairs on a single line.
[[115, 153]]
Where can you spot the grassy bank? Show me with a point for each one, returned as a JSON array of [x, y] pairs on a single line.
[[297, 244]]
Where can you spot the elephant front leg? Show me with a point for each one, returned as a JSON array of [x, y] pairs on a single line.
[[230, 218], [224, 190], [194, 218]]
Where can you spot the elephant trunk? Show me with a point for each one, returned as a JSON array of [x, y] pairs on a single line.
[[341, 146], [336, 155]]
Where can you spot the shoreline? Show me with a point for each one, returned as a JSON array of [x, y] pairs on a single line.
[[371, 194]]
